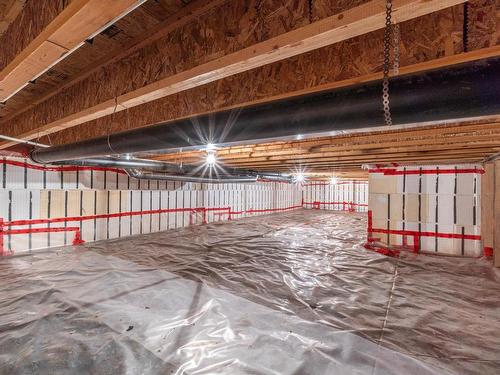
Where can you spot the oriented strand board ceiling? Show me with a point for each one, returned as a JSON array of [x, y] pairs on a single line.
[[9, 10], [122, 59], [91, 55]]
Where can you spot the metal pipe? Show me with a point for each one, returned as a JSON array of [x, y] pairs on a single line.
[[24, 141], [141, 175], [461, 91], [174, 172], [111, 162]]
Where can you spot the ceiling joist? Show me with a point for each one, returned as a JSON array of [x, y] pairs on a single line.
[[339, 27], [79, 21]]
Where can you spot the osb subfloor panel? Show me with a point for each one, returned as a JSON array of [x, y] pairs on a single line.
[[291, 293]]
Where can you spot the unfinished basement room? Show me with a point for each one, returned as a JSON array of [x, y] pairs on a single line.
[[261, 187]]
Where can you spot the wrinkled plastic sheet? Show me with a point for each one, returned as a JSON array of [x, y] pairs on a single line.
[[292, 293]]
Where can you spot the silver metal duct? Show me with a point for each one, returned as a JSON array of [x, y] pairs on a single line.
[[158, 170], [141, 175], [110, 162]]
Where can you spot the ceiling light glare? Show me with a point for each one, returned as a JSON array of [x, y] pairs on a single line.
[[210, 147], [299, 178], [333, 180], [211, 159]]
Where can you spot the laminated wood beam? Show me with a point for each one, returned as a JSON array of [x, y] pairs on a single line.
[[328, 156], [77, 22], [179, 19], [312, 166], [484, 142], [346, 25], [464, 137], [496, 224]]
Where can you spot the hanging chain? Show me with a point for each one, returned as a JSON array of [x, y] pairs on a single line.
[[387, 56], [395, 66]]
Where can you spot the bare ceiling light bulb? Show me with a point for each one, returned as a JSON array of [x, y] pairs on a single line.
[[211, 159], [299, 178], [333, 180]]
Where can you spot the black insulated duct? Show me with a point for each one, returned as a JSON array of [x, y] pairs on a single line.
[[457, 92]]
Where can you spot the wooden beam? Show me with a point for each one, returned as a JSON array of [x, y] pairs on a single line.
[[349, 24], [181, 18], [496, 224], [464, 137], [486, 144], [76, 23], [449, 159], [488, 207]]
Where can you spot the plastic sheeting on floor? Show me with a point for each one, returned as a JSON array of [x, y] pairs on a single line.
[[292, 293]]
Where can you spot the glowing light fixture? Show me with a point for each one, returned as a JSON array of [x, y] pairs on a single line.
[[211, 159], [333, 180], [210, 147], [299, 178]]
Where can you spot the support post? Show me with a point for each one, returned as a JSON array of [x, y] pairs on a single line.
[[490, 210], [1, 237]]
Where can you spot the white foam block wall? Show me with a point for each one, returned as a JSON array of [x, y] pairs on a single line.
[[342, 196], [29, 191], [447, 203]]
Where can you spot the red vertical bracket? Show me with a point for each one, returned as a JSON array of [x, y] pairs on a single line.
[[204, 212], [488, 251], [78, 239], [416, 243], [370, 226], [1, 237]]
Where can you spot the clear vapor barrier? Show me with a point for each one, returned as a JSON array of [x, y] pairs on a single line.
[[292, 293]]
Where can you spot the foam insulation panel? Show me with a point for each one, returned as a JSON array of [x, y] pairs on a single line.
[[341, 196], [58, 205], [434, 209]]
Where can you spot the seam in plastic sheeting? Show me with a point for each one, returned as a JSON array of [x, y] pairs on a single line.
[[291, 294]]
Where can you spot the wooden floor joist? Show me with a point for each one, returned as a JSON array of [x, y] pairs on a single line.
[[458, 143], [348, 24], [181, 18], [77, 22]]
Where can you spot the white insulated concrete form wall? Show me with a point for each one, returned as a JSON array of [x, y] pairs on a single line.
[[105, 204], [342, 196], [433, 209]]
